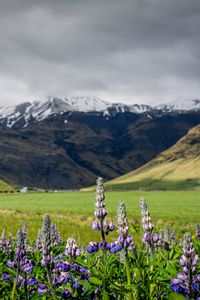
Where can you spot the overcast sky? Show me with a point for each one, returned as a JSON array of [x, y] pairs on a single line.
[[145, 51]]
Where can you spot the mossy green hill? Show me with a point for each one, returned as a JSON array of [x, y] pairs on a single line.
[[176, 168]]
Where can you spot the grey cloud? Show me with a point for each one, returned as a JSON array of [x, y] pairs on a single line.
[[132, 50]]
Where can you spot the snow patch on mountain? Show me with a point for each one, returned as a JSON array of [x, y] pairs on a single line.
[[180, 105]]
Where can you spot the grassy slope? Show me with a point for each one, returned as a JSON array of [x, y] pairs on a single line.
[[73, 212], [176, 168], [5, 187]]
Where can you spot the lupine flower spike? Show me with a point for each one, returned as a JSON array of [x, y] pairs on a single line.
[[100, 224], [3, 241], [47, 260], [198, 232], [146, 225], [124, 240], [187, 282]]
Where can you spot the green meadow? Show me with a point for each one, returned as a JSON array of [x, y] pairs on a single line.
[[73, 212]]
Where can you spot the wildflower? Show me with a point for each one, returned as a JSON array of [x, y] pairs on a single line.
[[42, 289], [39, 240], [71, 248], [66, 294], [46, 240], [32, 281], [125, 240], [187, 282], [55, 235], [5, 277], [146, 225], [198, 232], [3, 241], [100, 224]]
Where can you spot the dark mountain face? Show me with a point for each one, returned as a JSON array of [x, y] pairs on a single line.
[[71, 149]]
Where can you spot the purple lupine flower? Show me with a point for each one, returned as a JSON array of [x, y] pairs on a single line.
[[63, 266], [198, 232], [20, 249], [42, 289], [24, 230], [125, 240], [46, 241], [66, 294], [146, 225], [3, 241], [5, 277], [100, 213], [55, 235], [39, 241], [187, 282], [71, 248], [20, 281], [32, 281]]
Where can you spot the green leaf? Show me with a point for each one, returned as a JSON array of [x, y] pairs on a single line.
[[175, 296], [95, 280], [105, 296]]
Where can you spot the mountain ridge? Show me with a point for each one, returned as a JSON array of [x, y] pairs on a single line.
[[23, 114]]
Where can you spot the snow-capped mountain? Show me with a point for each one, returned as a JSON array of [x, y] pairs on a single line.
[[180, 105], [42, 109], [20, 115]]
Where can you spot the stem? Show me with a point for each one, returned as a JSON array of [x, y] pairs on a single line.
[[191, 294], [51, 285], [14, 286], [102, 231], [128, 275]]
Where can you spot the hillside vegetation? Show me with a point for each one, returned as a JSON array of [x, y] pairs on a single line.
[[4, 187], [176, 168]]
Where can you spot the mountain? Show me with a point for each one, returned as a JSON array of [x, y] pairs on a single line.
[[180, 105], [26, 113], [23, 114], [67, 143], [177, 167]]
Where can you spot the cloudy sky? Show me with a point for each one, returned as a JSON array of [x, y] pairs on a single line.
[[145, 51]]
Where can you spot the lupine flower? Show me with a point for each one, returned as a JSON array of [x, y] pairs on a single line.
[[187, 282], [21, 262], [24, 230], [5, 277], [146, 225], [169, 238], [66, 294], [198, 232], [3, 241], [100, 211], [100, 224], [32, 281], [42, 289], [46, 240], [55, 235], [94, 247], [125, 240], [71, 248], [39, 240]]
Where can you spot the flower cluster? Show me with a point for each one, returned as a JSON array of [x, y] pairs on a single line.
[[100, 224], [146, 225], [125, 240], [187, 281], [71, 248]]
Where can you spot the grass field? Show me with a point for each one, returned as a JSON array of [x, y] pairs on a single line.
[[73, 211]]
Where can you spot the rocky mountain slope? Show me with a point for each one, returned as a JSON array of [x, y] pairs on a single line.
[[179, 166], [67, 143]]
